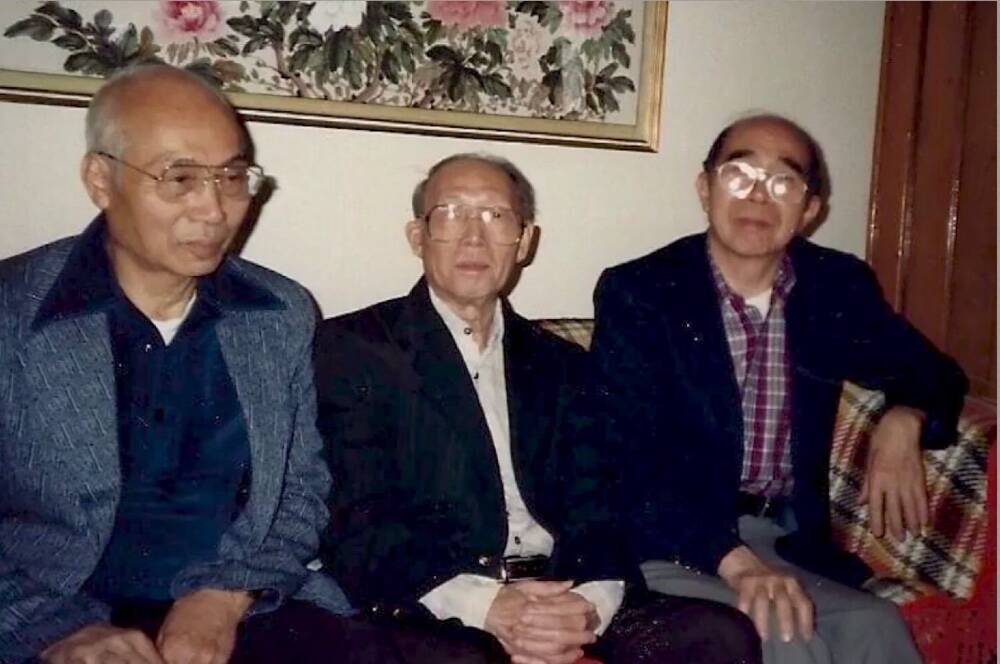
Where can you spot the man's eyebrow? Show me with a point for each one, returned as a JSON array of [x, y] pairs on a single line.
[[188, 161], [787, 161]]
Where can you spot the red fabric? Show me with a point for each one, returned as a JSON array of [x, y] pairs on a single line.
[[948, 631]]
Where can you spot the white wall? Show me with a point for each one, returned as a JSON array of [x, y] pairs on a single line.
[[336, 222]]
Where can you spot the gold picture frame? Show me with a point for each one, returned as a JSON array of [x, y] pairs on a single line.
[[594, 54]]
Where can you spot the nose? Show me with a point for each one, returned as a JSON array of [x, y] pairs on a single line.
[[758, 193], [209, 201], [473, 231]]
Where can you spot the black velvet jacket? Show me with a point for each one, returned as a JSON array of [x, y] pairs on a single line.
[[417, 493], [671, 398]]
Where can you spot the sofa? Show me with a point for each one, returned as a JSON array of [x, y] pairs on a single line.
[[944, 580]]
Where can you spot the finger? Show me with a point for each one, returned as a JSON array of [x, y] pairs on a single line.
[[863, 497], [894, 514], [761, 609], [543, 588], [574, 622], [923, 507], [875, 506], [784, 613], [560, 607], [911, 514], [558, 638], [144, 648], [804, 609], [547, 649]]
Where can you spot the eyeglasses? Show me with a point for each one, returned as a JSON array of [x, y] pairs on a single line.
[[738, 178], [179, 180], [448, 222]]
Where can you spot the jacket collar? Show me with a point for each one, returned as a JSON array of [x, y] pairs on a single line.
[[86, 284]]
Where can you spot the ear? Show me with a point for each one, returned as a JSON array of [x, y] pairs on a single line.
[[701, 186], [415, 237], [524, 246], [813, 208], [95, 172]]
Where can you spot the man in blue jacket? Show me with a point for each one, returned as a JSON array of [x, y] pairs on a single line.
[[722, 358], [161, 485]]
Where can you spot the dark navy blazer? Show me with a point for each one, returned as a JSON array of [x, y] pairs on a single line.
[[671, 395]]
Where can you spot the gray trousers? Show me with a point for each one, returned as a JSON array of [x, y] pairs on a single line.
[[852, 626]]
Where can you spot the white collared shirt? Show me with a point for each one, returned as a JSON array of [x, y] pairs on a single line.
[[468, 597]]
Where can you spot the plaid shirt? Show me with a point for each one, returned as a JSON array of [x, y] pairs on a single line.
[[759, 351]]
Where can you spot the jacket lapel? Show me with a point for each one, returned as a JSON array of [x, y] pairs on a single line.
[[257, 378]]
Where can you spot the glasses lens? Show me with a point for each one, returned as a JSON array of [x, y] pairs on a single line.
[[786, 188], [738, 178], [449, 222], [178, 181], [234, 181]]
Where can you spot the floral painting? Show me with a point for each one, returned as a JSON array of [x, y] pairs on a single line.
[[545, 67]]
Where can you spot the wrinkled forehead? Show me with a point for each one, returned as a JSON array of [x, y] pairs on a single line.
[[470, 178], [769, 144]]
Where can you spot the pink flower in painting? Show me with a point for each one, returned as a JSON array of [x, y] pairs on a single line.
[[471, 14], [194, 18], [585, 17]]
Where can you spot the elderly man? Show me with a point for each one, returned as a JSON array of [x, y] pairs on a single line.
[[722, 358], [472, 503], [161, 481]]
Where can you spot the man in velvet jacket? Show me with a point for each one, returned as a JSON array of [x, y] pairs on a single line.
[[464, 462], [721, 358]]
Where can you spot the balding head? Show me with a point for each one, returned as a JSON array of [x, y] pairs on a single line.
[[141, 87]]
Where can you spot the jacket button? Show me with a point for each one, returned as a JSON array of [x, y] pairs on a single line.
[[484, 561]]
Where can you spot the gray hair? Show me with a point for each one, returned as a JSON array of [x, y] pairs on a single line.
[[104, 132], [524, 193]]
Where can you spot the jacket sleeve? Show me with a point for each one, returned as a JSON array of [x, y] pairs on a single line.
[[887, 353], [670, 513], [33, 617], [276, 569]]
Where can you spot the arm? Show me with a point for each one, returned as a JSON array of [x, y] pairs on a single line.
[[382, 545], [888, 354]]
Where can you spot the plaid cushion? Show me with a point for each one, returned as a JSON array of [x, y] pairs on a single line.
[[949, 555]]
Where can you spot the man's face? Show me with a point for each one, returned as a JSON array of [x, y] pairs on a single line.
[[167, 122], [756, 226], [470, 270]]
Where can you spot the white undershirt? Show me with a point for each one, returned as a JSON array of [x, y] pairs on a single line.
[[168, 328], [761, 302], [468, 597]]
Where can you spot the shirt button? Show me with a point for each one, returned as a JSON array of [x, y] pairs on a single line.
[[484, 561], [148, 347], [517, 539]]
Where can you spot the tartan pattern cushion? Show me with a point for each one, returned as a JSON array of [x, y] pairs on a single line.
[[948, 557]]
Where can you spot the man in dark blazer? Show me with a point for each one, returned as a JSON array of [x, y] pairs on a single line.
[[162, 487], [722, 358], [471, 500]]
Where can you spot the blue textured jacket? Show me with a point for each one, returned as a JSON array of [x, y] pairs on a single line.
[[59, 461]]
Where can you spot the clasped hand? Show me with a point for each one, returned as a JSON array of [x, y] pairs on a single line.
[[542, 622]]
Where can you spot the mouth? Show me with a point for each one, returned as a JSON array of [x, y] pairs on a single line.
[[204, 249], [472, 267], [753, 223]]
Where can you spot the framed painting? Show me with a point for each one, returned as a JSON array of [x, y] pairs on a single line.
[[564, 72]]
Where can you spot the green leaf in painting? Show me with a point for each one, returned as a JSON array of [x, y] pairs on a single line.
[[65, 16], [253, 45], [443, 54], [85, 62], [622, 84], [103, 19], [245, 25], [621, 55], [70, 41], [128, 42], [36, 27]]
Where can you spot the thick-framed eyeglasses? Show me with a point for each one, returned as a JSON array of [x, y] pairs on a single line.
[[237, 181], [738, 178], [448, 222]]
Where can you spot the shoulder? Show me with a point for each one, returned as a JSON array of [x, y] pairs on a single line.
[[27, 277], [372, 324], [825, 269], [298, 304], [672, 259]]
